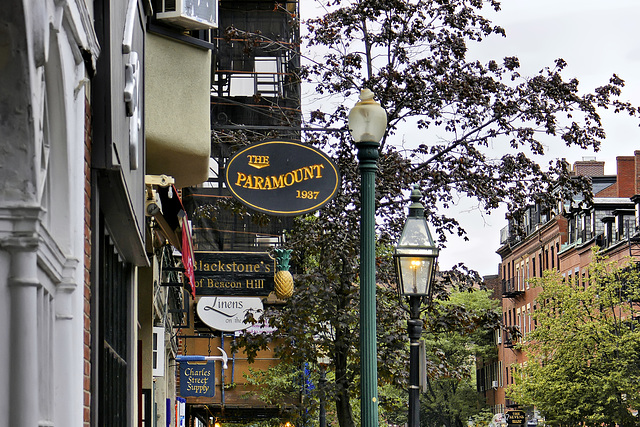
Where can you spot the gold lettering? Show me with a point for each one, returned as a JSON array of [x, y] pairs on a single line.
[[278, 181], [241, 178], [259, 182], [274, 182], [286, 180], [249, 182], [308, 172]]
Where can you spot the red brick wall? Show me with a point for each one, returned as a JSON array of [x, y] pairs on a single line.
[[87, 264], [588, 168], [610, 191], [626, 175], [636, 155]]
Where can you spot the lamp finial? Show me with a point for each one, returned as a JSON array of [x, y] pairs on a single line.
[[416, 209]]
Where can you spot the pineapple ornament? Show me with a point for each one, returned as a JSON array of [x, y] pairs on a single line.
[[283, 278]]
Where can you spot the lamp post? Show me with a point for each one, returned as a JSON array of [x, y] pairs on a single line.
[[322, 418], [415, 258], [367, 124], [325, 333]]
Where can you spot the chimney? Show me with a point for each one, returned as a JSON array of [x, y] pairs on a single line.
[[626, 175], [636, 154], [588, 166]]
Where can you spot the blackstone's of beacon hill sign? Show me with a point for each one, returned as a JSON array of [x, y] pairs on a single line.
[[234, 273], [281, 177]]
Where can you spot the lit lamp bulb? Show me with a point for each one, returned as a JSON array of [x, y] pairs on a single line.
[[414, 266]]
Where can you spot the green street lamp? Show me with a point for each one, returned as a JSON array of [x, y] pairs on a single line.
[[415, 258], [367, 124]]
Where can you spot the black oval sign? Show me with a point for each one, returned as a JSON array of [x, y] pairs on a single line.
[[281, 177]]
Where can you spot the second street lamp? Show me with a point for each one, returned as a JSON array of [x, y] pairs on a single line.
[[415, 258], [367, 124]]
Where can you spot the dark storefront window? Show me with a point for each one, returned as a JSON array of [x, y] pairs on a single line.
[[113, 352]]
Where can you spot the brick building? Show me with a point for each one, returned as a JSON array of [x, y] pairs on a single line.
[[560, 238]]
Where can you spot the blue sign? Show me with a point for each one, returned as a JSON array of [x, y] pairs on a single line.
[[197, 379]]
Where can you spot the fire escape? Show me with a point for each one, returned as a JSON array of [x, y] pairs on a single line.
[[255, 95]]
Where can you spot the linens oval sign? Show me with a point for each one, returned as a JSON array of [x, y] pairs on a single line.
[[228, 313], [282, 177]]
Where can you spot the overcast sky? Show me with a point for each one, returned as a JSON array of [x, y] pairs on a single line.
[[597, 38]]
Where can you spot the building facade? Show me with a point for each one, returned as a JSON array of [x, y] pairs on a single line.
[[559, 238], [89, 215], [49, 54]]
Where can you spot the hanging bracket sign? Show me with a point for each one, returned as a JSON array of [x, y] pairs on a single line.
[[197, 379], [228, 313], [281, 177], [234, 273]]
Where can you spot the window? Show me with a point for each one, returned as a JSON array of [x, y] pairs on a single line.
[[533, 266], [264, 79], [540, 263], [158, 351], [114, 286]]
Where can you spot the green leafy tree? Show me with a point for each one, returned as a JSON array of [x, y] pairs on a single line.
[[413, 55], [451, 397], [584, 363]]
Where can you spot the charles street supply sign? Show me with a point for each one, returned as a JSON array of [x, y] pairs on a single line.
[[280, 177], [197, 379], [234, 273], [228, 313]]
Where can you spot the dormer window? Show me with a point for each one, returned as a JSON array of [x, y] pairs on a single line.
[[624, 221], [608, 230], [636, 202]]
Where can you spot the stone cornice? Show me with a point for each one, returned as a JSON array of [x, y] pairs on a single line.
[[21, 230], [20, 226]]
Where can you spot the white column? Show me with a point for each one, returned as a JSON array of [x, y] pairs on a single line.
[[65, 375], [24, 407]]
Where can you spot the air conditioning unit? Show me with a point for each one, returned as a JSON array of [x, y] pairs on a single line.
[[494, 384], [189, 14]]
